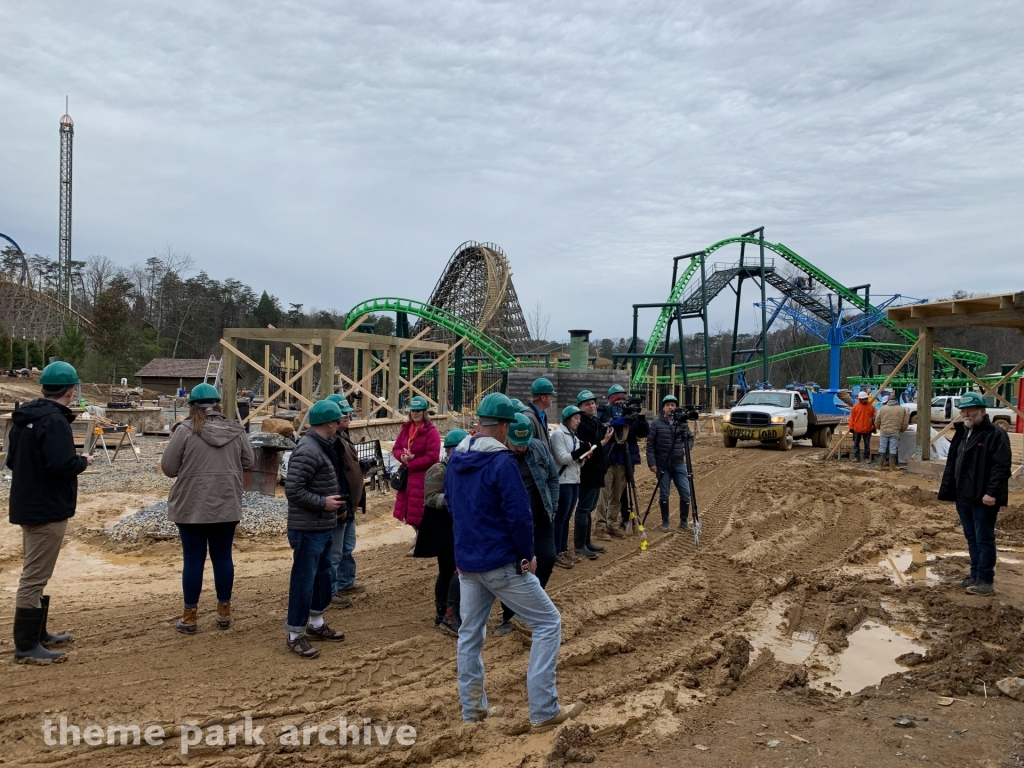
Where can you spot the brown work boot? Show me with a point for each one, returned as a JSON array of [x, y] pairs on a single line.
[[223, 615], [616, 532], [601, 534], [187, 623], [563, 560], [575, 556]]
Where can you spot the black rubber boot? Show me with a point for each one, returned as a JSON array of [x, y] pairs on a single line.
[[579, 539], [27, 622], [45, 637], [664, 515], [684, 513], [590, 529]]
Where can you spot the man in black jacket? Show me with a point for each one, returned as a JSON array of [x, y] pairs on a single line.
[[592, 472], [666, 457], [44, 493], [315, 499], [976, 478]]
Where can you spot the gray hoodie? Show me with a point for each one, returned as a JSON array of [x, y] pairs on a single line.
[[209, 469]]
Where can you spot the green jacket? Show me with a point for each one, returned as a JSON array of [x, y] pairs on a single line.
[[433, 485]]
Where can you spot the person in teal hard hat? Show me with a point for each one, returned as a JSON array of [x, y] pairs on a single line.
[[207, 454], [667, 444], [435, 539], [612, 514], [566, 451], [542, 397], [976, 479], [492, 520], [43, 496], [540, 476], [343, 541], [417, 448], [317, 493], [592, 473]]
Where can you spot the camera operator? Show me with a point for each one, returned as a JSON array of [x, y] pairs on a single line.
[[626, 418], [666, 457], [591, 434]]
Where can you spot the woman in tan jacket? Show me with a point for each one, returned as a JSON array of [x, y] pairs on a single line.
[[207, 454]]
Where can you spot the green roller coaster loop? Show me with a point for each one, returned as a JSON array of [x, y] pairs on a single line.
[[658, 333], [442, 318]]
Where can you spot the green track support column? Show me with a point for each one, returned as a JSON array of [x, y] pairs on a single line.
[[707, 341], [764, 311]]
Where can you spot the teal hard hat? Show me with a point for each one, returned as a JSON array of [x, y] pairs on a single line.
[[59, 374], [616, 389], [204, 393], [418, 404], [971, 400], [517, 404], [521, 431], [496, 406], [342, 402], [569, 411], [669, 399], [455, 437], [335, 398], [585, 395], [542, 386], [324, 412]]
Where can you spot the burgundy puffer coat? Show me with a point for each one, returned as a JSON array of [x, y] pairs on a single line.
[[426, 450]]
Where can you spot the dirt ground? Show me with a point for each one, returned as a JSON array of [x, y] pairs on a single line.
[[765, 646]]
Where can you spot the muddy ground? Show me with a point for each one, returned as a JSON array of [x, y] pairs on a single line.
[[752, 650]]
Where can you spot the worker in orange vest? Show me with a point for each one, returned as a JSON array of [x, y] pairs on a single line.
[[862, 424]]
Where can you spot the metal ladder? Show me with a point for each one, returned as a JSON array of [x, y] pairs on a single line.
[[214, 368]]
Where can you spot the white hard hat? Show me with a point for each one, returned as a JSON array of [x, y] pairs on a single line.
[[862, 396]]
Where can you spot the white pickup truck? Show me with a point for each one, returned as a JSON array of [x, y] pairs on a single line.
[[944, 410], [777, 417]]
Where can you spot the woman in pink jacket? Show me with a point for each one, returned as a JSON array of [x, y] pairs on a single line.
[[418, 447]]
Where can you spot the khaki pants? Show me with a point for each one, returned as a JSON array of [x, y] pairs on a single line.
[[609, 510], [41, 545]]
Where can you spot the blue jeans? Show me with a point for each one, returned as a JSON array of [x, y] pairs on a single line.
[[195, 537], [309, 590], [888, 444], [858, 438], [679, 477], [979, 524], [524, 595], [568, 495], [343, 565]]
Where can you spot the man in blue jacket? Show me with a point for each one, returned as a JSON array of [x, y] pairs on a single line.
[[494, 552]]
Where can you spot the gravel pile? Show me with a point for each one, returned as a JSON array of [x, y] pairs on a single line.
[[260, 514]]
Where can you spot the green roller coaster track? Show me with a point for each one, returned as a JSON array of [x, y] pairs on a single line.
[[660, 327], [442, 318]]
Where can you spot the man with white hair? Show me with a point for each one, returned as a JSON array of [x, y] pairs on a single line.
[[976, 478]]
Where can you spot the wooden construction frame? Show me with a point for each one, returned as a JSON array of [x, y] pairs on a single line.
[[316, 347], [1002, 310]]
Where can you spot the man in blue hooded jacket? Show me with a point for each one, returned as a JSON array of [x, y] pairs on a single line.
[[494, 551]]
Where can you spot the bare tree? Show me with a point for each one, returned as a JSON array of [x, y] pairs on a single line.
[[98, 271], [537, 321]]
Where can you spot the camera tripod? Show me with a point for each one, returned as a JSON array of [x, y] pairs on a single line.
[[689, 480]]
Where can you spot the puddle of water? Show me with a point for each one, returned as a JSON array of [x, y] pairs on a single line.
[[773, 634], [896, 561], [870, 656]]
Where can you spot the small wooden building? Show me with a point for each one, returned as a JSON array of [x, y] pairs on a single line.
[[167, 374]]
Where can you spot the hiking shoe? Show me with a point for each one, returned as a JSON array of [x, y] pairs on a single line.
[[503, 629], [967, 582], [495, 711], [518, 622], [564, 713], [323, 632], [563, 560], [357, 586], [576, 556], [300, 647], [616, 532], [340, 600], [602, 535], [981, 588], [450, 624]]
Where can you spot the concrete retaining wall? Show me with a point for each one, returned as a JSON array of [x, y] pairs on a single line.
[[568, 384]]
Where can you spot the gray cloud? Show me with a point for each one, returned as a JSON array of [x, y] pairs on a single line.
[[331, 153]]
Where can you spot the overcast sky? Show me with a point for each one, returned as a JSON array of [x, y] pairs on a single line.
[[331, 153]]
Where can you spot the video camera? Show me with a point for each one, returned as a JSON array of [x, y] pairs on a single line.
[[685, 413], [629, 409]]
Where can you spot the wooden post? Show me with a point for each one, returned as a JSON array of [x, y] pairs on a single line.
[[307, 377], [266, 364], [442, 384], [394, 374], [925, 365], [653, 396], [326, 367], [229, 385]]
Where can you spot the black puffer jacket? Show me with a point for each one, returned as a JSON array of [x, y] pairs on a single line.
[[590, 432], [977, 466], [660, 451], [311, 479], [43, 463]]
